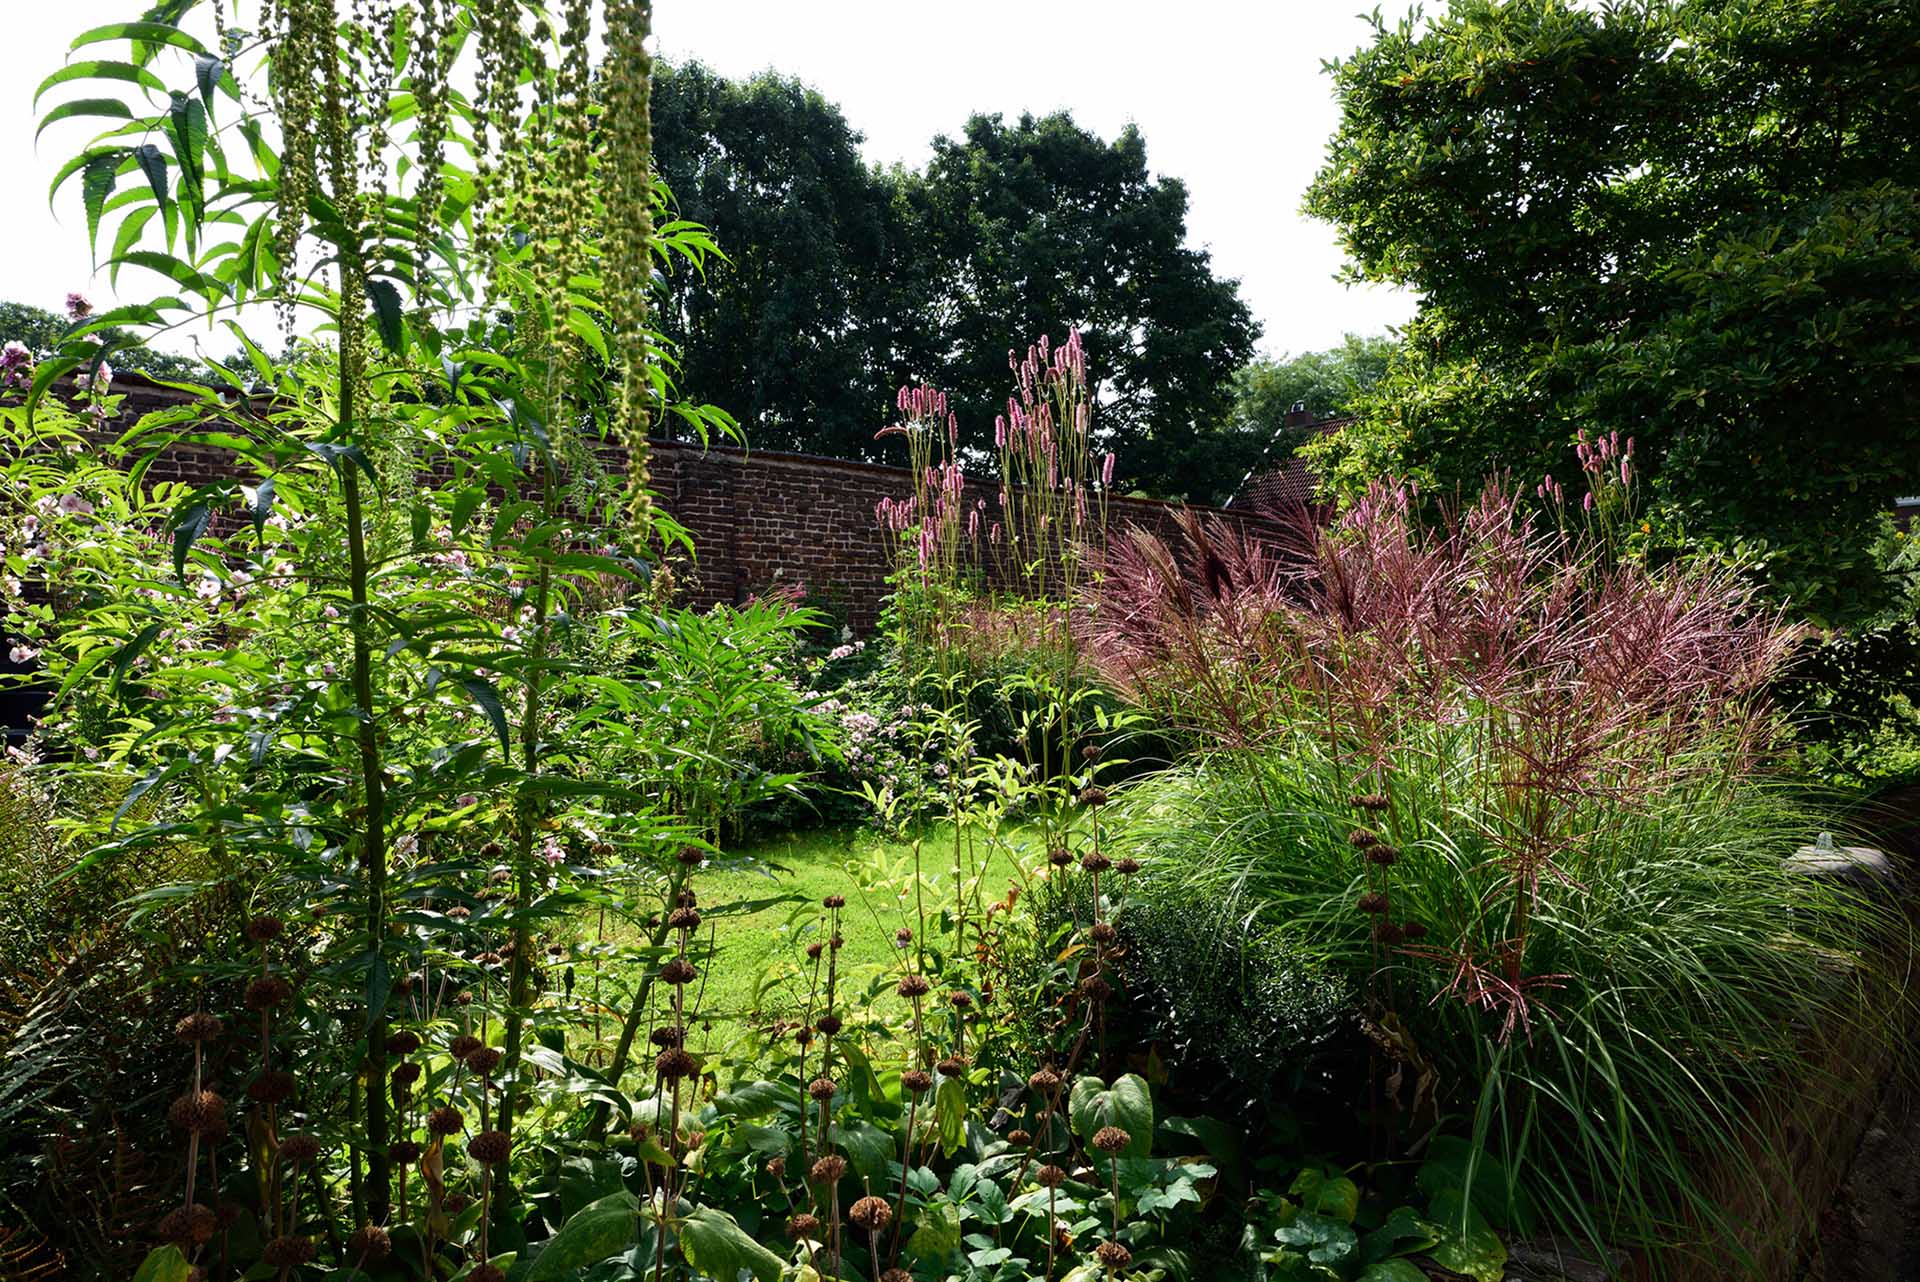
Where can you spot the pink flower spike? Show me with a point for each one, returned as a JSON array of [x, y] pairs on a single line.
[[1106, 469], [1587, 502]]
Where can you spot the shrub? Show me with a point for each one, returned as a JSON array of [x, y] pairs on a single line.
[[1513, 786]]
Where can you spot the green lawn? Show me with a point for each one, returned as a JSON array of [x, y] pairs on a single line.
[[764, 905]]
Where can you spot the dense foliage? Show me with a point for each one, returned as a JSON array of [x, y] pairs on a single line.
[[1691, 220], [842, 279]]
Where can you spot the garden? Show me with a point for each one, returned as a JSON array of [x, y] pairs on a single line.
[[406, 879]]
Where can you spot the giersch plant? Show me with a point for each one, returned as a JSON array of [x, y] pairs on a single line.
[[1514, 781]]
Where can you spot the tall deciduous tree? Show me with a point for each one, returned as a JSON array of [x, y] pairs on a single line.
[[1692, 222], [1027, 228], [1258, 433], [792, 334], [844, 280]]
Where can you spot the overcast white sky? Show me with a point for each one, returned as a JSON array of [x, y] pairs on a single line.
[[1228, 93]]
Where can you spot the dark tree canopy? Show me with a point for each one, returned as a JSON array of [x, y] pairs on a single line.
[[1032, 226], [846, 281], [792, 335], [41, 331], [1692, 222]]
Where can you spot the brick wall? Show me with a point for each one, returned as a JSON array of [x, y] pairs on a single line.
[[758, 519]]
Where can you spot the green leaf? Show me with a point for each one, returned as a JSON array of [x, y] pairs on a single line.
[[488, 698], [1476, 1252], [153, 163], [754, 1099], [100, 69], [173, 269], [128, 236], [190, 521], [1404, 1233], [938, 1234], [262, 507], [1128, 1104], [163, 1264], [379, 987], [187, 124], [868, 1147], [593, 1233], [950, 1113], [1392, 1271], [385, 297], [1323, 1240], [718, 1247], [158, 33], [1324, 1194], [207, 71], [101, 174], [111, 108], [129, 652]]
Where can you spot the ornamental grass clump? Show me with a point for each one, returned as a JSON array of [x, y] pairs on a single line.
[[1515, 783]]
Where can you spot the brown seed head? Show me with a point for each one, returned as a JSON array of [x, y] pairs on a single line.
[[834, 901], [1103, 932], [1373, 801], [486, 1273], [1388, 933], [668, 1035], [1126, 867], [1111, 1139], [1114, 1256], [1415, 930], [678, 971], [368, 1244], [1384, 855], [961, 1000], [189, 1225], [674, 1063], [403, 1152], [952, 1066], [406, 1074], [1095, 988], [1044, 1081], [288, 1252], [201, 1026], [1019, 1138], [267, 992], [684, 919], [803, 1226], [1093, 795], [299, 1150], [1362, 839], [777, 1167], [814, 950], [199, 1113], [821, 1089], [265, 928], [902, 937], [829, 1169], [828, 1024], [483, 1060], [489, 1148], [1050, 1176], [463, 1046], [692, 856], [871, 1213], [404, 1042], [445, 1120], [271, 1087], [1059, 856], [1094, 861], [917, 1080], [913, 986]]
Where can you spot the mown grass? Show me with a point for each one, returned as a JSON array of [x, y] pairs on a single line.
[[763, 905]]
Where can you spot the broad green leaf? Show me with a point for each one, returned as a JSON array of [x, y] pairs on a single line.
[[1392, 1271], [111, 108], [1324, 1194], [937, 1234], [153, 163], [1127, 1104], [950, 1114], [1320, 1239], [173, 269], [754, 1099], [158, 33], [190, 521], [207, 71], [163, 1264], [593, 1233], [868, 1147], [100, 69], [718, 1247]]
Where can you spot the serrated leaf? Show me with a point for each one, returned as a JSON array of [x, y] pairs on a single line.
[[482, 692], [385, 297], [146, 32], [110, 108], [190, 521], [207, 71], [100, 69], [101, 174], [153, 163]]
